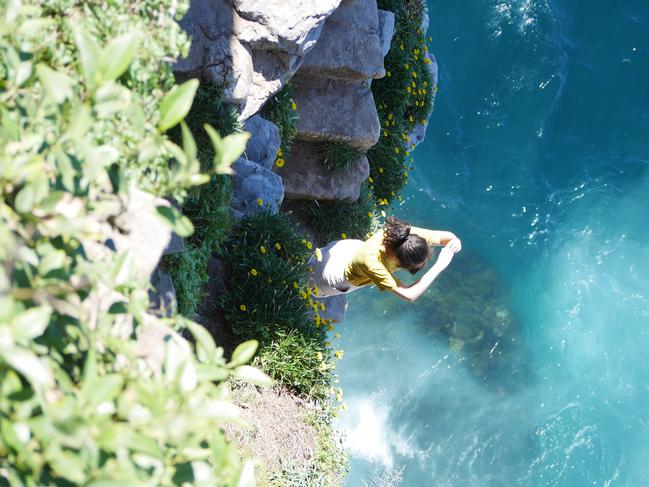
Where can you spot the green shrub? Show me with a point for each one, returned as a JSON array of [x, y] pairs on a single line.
[[334, 220], [206, 206], [404, 99], [300, 362], [86, 100], [282, 111], [337, 156], [266, 261]]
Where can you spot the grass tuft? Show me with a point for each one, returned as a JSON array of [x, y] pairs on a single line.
[[282, 111], [337, 156]]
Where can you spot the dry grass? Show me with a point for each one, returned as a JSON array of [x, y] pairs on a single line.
[[279, 433]]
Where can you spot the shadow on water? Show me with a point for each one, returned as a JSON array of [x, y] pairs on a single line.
[[468, 308]]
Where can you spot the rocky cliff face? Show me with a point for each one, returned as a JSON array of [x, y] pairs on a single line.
[[331, 50]]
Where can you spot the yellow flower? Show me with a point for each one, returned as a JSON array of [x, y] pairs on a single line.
[[270, 280], [401, 47], [253, 271], [243, 307], [370, 180], [293, 105], [423, 122], [407, 66], [381, 170], [408, 89], [316, 291], [331, 328], [310, 269], [369, 213], [318, 255], [279, 162], [309, 245], [295, 285], [319, 356], [322, 306], [396, 149], [327, 344], [390, 116], [411, 119], [343, 235], [389, 74], [426, 84], [260, 202], [414, 74], [339, 354], [278, 246], [385, 133], [262, 249], [303, 294], [430, 38]]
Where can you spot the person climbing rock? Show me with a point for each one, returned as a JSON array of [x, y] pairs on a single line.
[[344, 266]]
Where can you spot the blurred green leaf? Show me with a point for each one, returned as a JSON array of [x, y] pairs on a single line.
[[176, 104], [205, 345], [56, 84], [116, 57], [179, 223], [243, 353], [32, 323], [29, 365], [25, 199], [89, 53], [245, 476], [252, 375]]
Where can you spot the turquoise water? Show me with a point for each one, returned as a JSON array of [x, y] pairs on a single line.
[[528, 362]]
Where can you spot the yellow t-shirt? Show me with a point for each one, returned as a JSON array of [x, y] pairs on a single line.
[[371, 265]]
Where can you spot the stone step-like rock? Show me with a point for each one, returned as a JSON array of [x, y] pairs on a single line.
[[255, 189], [334, 109], [306, 178], [349, 46]]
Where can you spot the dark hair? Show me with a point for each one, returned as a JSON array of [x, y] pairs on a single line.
[[411, 250]]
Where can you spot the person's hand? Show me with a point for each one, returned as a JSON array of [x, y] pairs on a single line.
[[455, 245], [444, 258]]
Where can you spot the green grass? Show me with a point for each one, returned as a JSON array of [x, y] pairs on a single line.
[[337, 156], [207, 206], [266, 261], [282, 111], [300, 362], [334, 220]]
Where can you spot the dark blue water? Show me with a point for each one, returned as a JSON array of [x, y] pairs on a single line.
[[528, 363]]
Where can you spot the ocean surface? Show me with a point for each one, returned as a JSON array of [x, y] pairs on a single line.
[[527, 362]]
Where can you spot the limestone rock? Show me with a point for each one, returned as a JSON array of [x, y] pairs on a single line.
[[252, 184], [264, 141], [176, 245], [154, 340], [305, 177], [336, 109], [162, 296], [386, 30], [349, 45], [142, 232], [292, 26], [250, 47]]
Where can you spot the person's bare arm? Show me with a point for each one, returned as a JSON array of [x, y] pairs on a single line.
[[412, 292], [434, 238]]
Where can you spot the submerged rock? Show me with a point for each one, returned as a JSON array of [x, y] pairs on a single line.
[[467, 306]]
